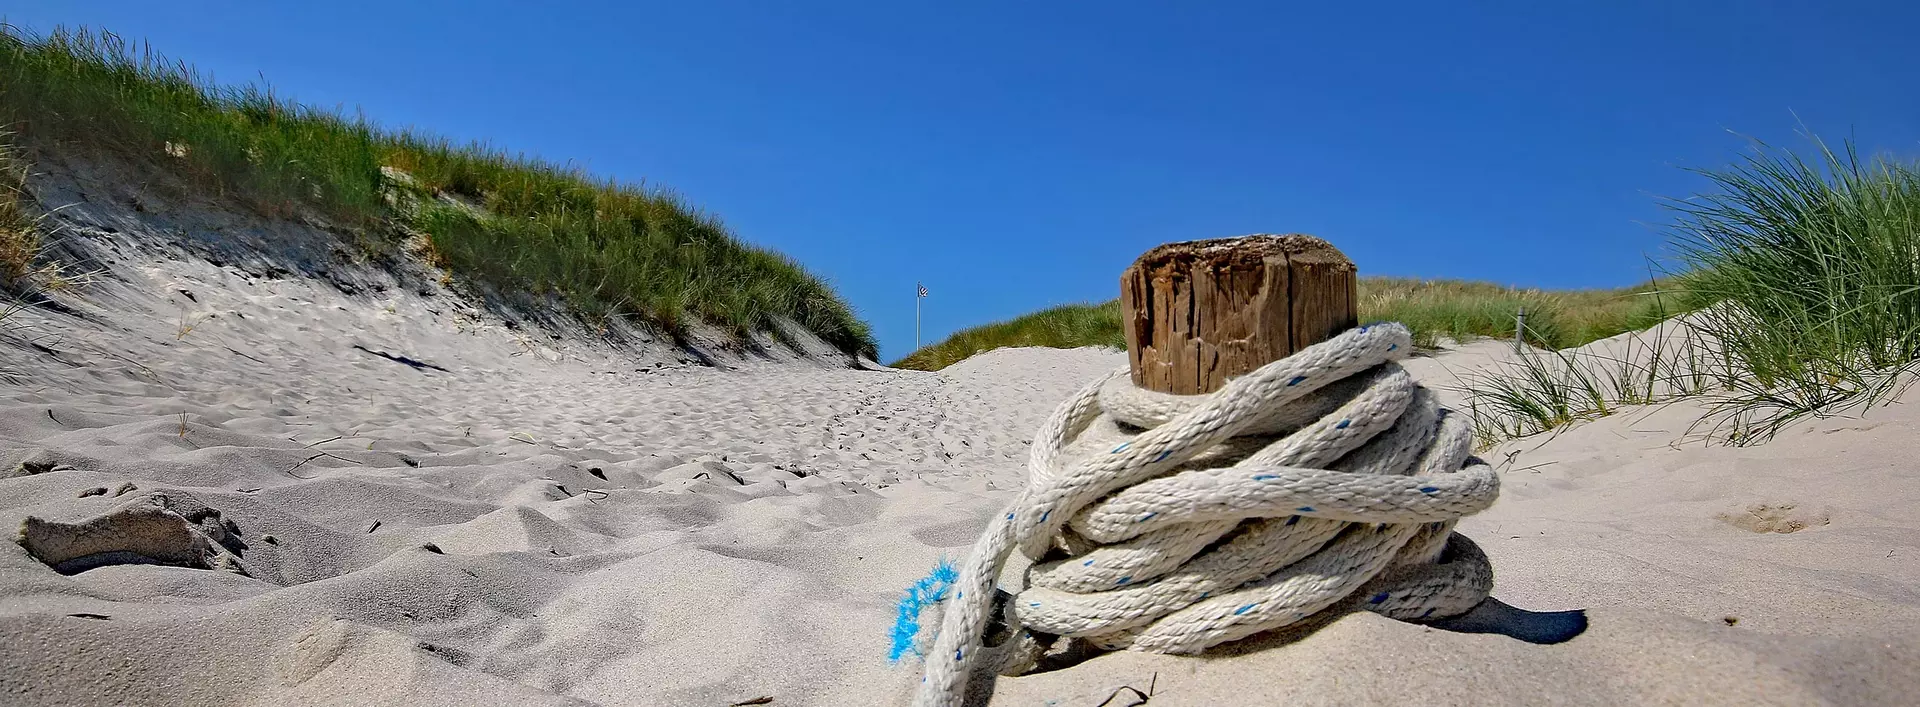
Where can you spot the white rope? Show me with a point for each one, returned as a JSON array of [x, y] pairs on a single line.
[[1170, 523]]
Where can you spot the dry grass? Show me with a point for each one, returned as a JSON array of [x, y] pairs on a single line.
[[19, 229]]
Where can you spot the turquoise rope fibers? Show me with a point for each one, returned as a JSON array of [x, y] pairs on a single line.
[[931, 589]]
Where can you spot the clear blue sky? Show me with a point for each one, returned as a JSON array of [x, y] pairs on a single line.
[[1017, 155]]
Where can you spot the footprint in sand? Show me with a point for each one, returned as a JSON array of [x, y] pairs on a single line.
[[1773, 518]]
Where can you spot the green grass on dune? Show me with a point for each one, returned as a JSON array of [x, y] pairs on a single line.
[[1802, 274], [1063, 327], [1806, 271], [609, 249], [1462, 310], [1430, 308]]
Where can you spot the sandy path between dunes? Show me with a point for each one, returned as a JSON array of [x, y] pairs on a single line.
[[506, 520], [600, 529]]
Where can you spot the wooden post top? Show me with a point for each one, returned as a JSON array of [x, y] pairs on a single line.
[[1200, 312], [1242, 250]]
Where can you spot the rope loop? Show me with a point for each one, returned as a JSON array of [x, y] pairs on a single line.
[[1167, 523]]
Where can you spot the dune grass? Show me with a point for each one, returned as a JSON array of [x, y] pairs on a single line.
[[21, 273], [608, 249], [1063, 327], [1802, 276], [1541, 391], [1431, 309], [19, 229], [1462, 310], [1806, 269]]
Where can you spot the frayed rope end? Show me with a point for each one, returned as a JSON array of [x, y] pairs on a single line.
[[930, 590]]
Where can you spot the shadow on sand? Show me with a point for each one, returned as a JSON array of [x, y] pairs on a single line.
[[1495, 616]]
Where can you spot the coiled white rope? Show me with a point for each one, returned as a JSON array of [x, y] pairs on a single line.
[[1172, 523]]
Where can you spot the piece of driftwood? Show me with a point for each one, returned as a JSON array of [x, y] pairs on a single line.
[[1200, 312]]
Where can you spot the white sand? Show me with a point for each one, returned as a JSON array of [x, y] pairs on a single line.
[[535, 521]]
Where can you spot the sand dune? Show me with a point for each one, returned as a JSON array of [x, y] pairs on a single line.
[[236, 488]]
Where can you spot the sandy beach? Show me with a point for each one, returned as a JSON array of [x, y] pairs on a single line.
[[667, 355], [378, 493]]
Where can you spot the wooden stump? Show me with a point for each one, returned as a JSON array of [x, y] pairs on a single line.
[[1200, 312]]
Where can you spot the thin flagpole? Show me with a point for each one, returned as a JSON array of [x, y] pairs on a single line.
[[916, 315]]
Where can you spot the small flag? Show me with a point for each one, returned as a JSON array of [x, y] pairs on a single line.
[[923, 289]]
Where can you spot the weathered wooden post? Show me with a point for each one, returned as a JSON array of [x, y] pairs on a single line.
[[1200, 312], [1520, 330]]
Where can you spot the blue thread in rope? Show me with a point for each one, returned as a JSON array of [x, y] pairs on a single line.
[[930, 590]]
